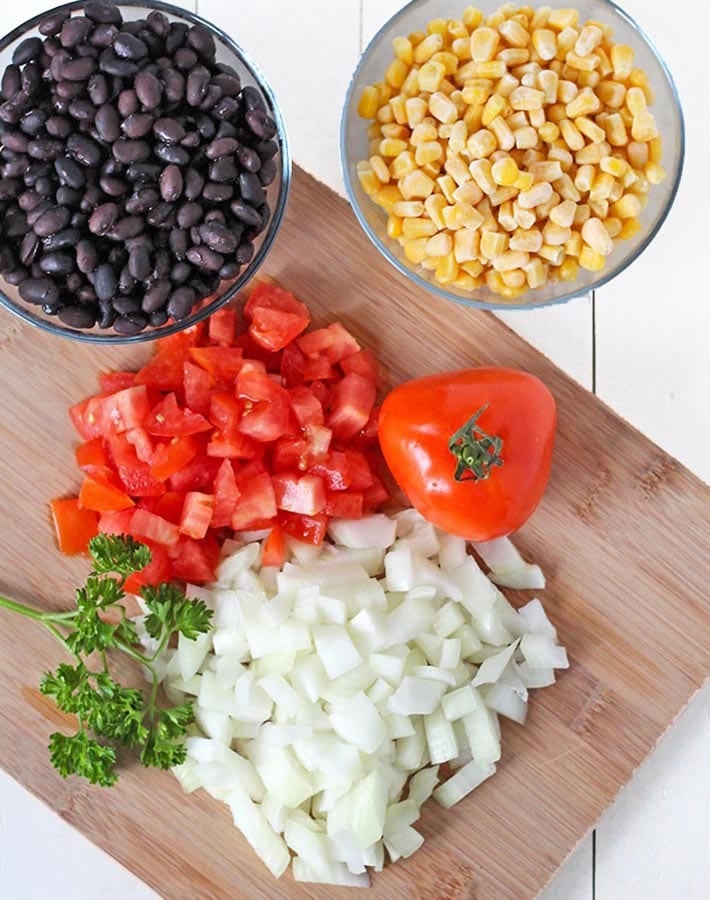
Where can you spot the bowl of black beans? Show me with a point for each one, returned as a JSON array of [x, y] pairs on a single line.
[[144, 170]]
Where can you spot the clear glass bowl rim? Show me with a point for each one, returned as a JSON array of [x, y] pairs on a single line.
[[502, 305], [277, 213]]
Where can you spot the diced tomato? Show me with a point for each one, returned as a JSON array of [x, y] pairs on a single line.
[[192, 561], [308, 529], [168, 420], [268, 417], [271, 296], [100, 493], [159, 569], [181, 340], [196, 514], [173, 455], [123, 410], [274, 553], [222, 326], [140, 439], [293, 363], [169, 506], [344, 504], [155, 528], [335, 471], [273, 329], [256, 506], [232, 445], [118, 522], [91, 455], [306, 406], [322, 392], [197, 475], [196, 387], [135, 475], [318, 439], [116, 381], [225, 411], [85, 424], [376, 494], [224, 363], [226, 495], [289, 454], [318, 368], [364, 362], [350, 406], [304, 494], [368, 435], [360, 473], [334, 342], [74, 525], [164, 371]]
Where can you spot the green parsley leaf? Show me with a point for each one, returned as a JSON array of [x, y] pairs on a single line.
[[160, 749], [171, 611], [118, 553], [78, 754]]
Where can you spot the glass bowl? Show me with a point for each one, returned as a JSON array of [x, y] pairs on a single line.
[[230, 53], [354, 146]]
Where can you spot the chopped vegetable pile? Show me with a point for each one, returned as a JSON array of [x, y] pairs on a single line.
[[331, 690], [224, 431]]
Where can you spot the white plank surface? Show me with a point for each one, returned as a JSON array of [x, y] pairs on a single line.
[[651, 325]]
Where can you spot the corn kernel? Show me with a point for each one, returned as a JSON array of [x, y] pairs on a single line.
[[615, 166], [573, 247], [418, 228], [589, 39], [602, 187], [502, 195], [392, 147], [563, 214], [388, 195], [506, 217], [443, 108], [430, 263], [461, 48], [410, 87], [553, 255], [447, 186], [597, 237], [622, 60], [638, 78], [462, 215], [467, 247], [505, 172], [590, 129], [492, 68], [560, 19], [506, 85], [617, 192], [408, 209], [613, 227], [431, 76], [514, 57], [394, 227], [526, 138], [427, 48], [448, 60], [655, 173], [635, 101], [630, 229], [599, 208], [482, 174], [569, 270], [484, 43], [515, 278], [428, 152], [510, 260], [396, 72], [546, 170], [416, 186], [458, 137], [367, 178], [590, 260], [535, 273], [571, 135], [416, 37], [440, 244], [655, 150], [567, 190], [369, 103], [426, 130], [403, 50], [544, 42], [472, 17], [493, 243], [525, 218], [626, 207], [469, 192], [582, 63], [447, 269], [565, 42], [539, 193], [585, 103], [503, 134], [524, 181], [549, 133], [528, 241], [591, 155], [402, 165], [555, 235], [457, 168], [644, 126], [481, 144], [415, 250], [493, 108], [526, 98], [582, 213]]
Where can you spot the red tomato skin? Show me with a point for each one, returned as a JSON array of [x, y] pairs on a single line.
[[196, 514], [274, 553], [351, 405], [418, 419], [74, 525]]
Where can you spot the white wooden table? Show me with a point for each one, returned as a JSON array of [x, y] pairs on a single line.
[[641, 344]]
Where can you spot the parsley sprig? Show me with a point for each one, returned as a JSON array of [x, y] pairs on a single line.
[[111, 716]]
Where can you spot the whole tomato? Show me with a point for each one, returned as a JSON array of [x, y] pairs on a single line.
[[471, 449]]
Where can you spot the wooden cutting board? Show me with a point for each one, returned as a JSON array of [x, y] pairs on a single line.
[[622, 535]]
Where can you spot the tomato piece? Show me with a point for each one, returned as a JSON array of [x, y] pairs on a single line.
[[169, 506], [318, 439], [308, 529], [318, 368], [364, 362], [335, 343], [181, 340], [274, 552], [226, 495], [375, 495], [74, 525], [306, 406], [344, 504], [350, 406], [368, 435], [197, 475], [271, 296], [289, 454], [140, 439], [196, 514], [100, 493], [164, 371], [153, 527], [159, 569], [274, 329], [91, 455], [225, 411], [123, 410], [173, 455], [224, 363], [256, 506], [222, 326], [192, 561], [197, 384], [292, 366], [85, 425], [268, 417], [233, 445], [134, 475], [304, 494], [111, 382], [118, 522], [335, 471], [469, 410], [359, 468], [167, 419]]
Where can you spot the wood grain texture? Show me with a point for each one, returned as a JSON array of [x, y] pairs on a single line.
[[621, 534]]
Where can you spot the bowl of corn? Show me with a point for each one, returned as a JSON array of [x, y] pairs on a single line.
[[511, 156]]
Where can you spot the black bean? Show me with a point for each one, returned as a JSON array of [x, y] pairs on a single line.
[[75, 31], [130, 324], [191, 140], [79, 220], [158, 318], [175, 37], [79, 317], [118, 256], [181, 302], [112, 186], [266, 149], [114, 65], [33, 122], [36, 170], [148, 89], [98, 89], [105, 282], [128, 102], [32, 214], [78, 69], [249, 159], [252, 98], [226, 108], [15, 141], [163, 262], [67, 238], [260, 123], [52, 220], [68, 90], [39, 290], [59, 127], [178, 243], [217, 193], [244, 253], [127, 227], [229, 270], [171, 183], [205, 125], [52, 24], [84, 150], [29, 49], [197, 83], [189, 214], [174, 85], [204, 258], [222, 146], [224, 169], [129, 46], [10, 188], [137, 125], [66, 196], [45, 186], [29, 248], [69, 172], [102, 36], [218, 237], [126, 305], [11, 82], [17, 276], [170, 131], [216, 215], [103, 218], [16, 168], [86, 256], [172, 154], [158, 22], [74, 282], [156, 296], [142, 200], [268, 172], [199, 38], [145, 171], [103, 11], [185, 58], [108, 123], [245, 213], [139, 263], [180, 273], [128, 152], [56, 263], [250, 188], [162, 215], [229, 84], [126, 283], [91, 199]]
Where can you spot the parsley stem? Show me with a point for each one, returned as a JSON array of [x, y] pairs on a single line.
[[47, 619]]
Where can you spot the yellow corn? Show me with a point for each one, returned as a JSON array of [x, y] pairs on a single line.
[[526, 138], [440, 244], [544, 41], [461, 47], [428, 47], [614, 166], [573, 247], [584, 179], [457, 168], [565, 187], [553, 255], [655, 173], [379, 167], [467, 247], [434, 206], [535, 273], [585, 103], [506, 217], [492, 68], [546, 170], [462, 215], [482, 174], [538, 194], [626, 207], [503, 134], [415, 250], [549, 132], [369, 103], [416, 37], [555, 235], [591, 155], [392, 147], [615, 128], [505, 172], [655, 150], [591, 260], [416, 109], [590, 129], [617, 192], [571, 135], [515, 278], [447, 269], [631, 228], [388, 195], [403, 50], [602, 187], [613, 227], [622, 60], [569, 270], [612, 94], [563, 214], [416, 186], [396, 72], [448, 60], [510, 260], [447, 186], [493, 243], [403, 164], [529, 241], [493, 108], [411, 83], [394, 227], [367, 178], [635, 101], [638, 78], [431, 76], [514, 56], [472, 17], [582, 63], [643, 127], [597, 237], [408, 209], [418, 228], [526, 98], [468, 192], [443, 108], [484, 43], [638, 154], [559, 19], [524, 181], [426, 130], [599, 208], [581, 214], [506, 85], [428, 152], [481, 144], [589, 39], [565, 42]]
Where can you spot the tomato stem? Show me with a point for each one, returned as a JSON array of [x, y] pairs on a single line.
[[475, 451]]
